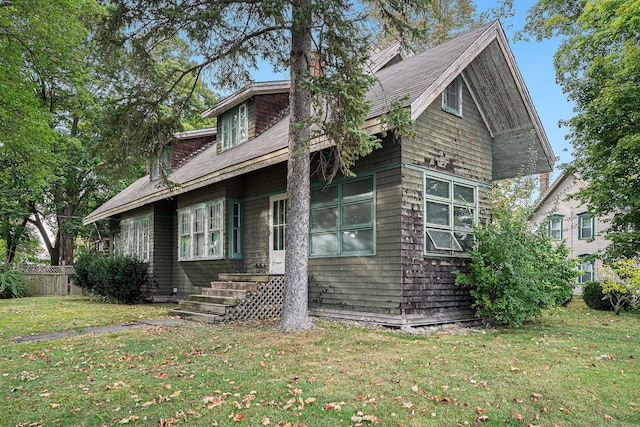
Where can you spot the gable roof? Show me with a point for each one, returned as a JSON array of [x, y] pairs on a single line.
[[557, 184], [483, 58]]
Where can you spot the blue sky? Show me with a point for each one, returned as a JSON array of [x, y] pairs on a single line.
[[535, 62]]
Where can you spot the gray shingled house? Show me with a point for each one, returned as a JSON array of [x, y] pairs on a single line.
[[383, 244]]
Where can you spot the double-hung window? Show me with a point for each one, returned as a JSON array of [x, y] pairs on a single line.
[[586, 270], [234, 126], [342, 221], [200, 231], [135, 238], [555, 227], [452, 97], [450, 210], [585, 226]]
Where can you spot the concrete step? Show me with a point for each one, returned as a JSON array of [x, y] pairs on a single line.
[[243, 277], [225, 293], [246, 286], [214, 299], [196, 316], [202, 307]]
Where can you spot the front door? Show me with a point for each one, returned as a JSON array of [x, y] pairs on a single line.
[[277, 233]]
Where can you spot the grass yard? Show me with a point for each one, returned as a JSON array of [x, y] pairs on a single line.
[[576, 368]]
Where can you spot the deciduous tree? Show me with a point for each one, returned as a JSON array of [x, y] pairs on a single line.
[[598, 67]]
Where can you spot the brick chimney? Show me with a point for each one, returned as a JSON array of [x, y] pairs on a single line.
[[544, 183], [317, 67]]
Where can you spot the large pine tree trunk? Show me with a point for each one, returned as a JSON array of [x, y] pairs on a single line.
[[295, 312]]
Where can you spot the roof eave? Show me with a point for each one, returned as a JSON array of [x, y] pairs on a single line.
[[253, 89]]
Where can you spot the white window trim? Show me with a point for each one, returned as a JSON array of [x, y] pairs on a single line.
[[450, 201], [241, 127], [445, 105], [190, 213], [553, 219], [135, 238], [592, 225]]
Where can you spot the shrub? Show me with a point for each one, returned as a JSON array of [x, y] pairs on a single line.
[[594, 297], [515, 273], [11, 282], [621, 283], [116, 277]]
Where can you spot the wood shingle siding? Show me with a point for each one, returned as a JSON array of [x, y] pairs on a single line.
[[368, 284], [458, 146], [161, 252]]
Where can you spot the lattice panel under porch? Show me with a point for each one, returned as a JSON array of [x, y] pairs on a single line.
[[264, 303]]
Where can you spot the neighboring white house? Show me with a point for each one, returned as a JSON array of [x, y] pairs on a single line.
[[567, 219]]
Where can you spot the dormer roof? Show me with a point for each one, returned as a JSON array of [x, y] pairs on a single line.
[[252, 89]]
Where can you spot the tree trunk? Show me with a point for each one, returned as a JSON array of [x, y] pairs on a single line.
[[295, 311]]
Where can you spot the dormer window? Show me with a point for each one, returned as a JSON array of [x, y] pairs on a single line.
[[159, 163], [234, 126], [452, 97]]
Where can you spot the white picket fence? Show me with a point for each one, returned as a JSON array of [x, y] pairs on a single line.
[[46, 280]]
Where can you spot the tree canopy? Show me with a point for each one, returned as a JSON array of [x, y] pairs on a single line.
[[598, 67]]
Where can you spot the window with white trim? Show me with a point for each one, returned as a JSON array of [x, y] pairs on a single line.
[[450, 210], [585, 226], [555, 227], [200, 231], [234, 126], [159, 163], [342, 219], [452, 97], [586, 270], [135, 238]]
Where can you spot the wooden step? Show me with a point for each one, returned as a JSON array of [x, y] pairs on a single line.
[[225, 293], [214, 299], [246, 286], [243, 277], [197, 316], [202, 307]]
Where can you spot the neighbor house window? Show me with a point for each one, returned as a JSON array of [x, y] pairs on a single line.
[[586, 270], [450, 210], [585, 226], [452, 97], [234, 126], [342, 219], [135, 238], [555, 227], [200, 231], [159, 163]]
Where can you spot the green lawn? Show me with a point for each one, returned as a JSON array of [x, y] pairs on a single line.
[[576, 368]]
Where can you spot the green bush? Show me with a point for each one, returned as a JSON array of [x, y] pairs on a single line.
[[115, 277], [594, 297], [11, 282], [516, 273]]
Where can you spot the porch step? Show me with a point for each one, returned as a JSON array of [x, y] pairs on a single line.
[[214, 299], [244, 286], [197, 316], [225, 293], [202, 307], [243, 277]]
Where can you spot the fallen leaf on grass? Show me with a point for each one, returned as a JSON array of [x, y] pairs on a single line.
[[517, 416], [55, 405], [265, 422], [565, 410], [238, 417]]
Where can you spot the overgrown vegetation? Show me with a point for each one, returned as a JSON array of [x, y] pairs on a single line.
[[249, 374], [516, 273], [11, 282], [117, 277], [621, 283]]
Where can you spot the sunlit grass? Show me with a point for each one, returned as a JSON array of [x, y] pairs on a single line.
[[575, 368]]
